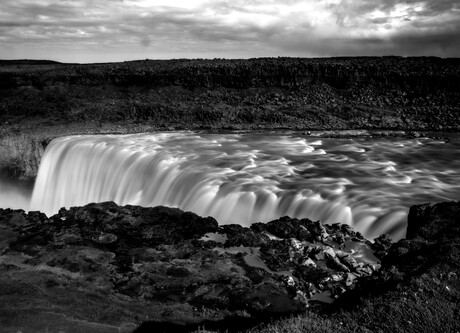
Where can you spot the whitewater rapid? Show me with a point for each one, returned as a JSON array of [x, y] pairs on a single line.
[[246, 178]]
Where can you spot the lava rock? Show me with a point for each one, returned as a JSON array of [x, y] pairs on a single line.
[[428, 221]]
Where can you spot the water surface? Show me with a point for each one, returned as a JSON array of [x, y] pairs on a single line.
[[245, 178]]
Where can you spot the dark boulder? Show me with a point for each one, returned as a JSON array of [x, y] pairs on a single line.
[[428, 221]]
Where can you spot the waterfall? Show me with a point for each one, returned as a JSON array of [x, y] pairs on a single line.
[[79, 170], [234, 178]]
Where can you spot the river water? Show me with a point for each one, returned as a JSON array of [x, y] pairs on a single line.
[[243, 178]]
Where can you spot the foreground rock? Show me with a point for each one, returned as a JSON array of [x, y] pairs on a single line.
[[105, 268], [109, 268], [417, 288]]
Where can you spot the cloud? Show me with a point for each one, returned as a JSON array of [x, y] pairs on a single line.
[[92, 30]]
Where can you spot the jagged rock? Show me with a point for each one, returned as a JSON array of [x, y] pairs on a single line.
[[347, 260], [381, 245], [107, 258], [164, 258], [238, 235], [329, 252]]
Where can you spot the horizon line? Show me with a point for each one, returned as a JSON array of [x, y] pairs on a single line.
[[50, 61]]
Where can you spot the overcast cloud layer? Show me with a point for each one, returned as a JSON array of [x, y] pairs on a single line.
[[115, 30]]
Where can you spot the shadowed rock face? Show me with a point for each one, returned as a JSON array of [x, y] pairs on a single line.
[[430, 221], [417, 288], [432, 243], [21, 156], [178, 267]]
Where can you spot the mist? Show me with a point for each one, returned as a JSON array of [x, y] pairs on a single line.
[[14, 194]]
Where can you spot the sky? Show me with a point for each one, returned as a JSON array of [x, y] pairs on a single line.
[[117, 30]]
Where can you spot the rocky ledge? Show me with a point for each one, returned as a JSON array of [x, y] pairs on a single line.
[[108, 268]]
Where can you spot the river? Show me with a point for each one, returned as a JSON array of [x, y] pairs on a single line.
[[244, 178]]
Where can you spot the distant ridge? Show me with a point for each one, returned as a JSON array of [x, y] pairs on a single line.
[[31, 62], [28, 62]]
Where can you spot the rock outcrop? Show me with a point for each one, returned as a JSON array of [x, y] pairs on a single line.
[[20, 155], [107, 268], [430, 221], [417, 288], [163, 264]]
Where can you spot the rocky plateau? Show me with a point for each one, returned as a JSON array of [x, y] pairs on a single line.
[[40, 100]]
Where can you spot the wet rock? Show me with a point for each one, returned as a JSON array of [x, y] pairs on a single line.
[[238, 235], [348, 260], [302, 230], [335, 263], [329, 252], [286, 227]]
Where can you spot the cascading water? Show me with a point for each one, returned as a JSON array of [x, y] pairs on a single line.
[[245, 178]]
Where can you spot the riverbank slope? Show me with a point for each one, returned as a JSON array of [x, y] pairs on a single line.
[[42, 100]]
